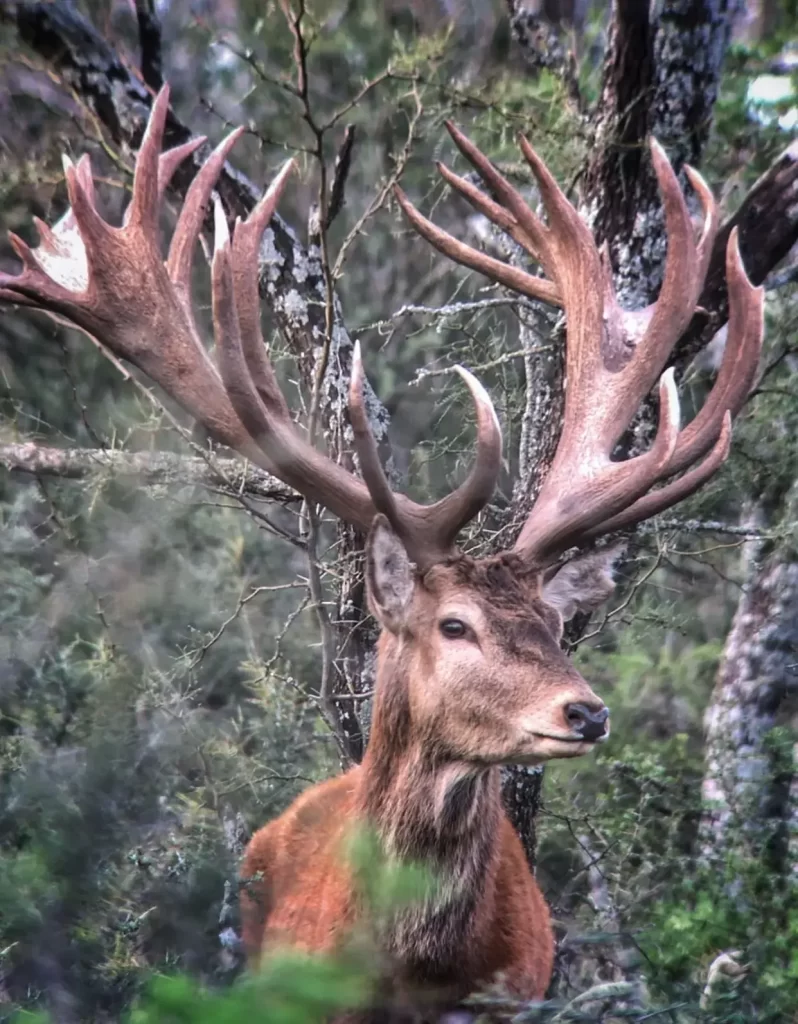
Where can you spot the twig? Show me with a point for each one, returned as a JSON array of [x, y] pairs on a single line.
[[615, 612], [248, 57], [379, 200], [325, 697], [706, 526], [383, 76], [452, 309], [342, 164], [150, 40], [153, 468], [489, 364], [242, 601]]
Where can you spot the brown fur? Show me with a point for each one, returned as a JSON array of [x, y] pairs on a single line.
[[446, 714]]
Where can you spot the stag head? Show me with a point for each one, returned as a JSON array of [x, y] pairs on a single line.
[[479, 638]]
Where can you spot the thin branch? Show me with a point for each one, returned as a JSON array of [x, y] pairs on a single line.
[[379, 200], [150, 40], [327, 704], [613, 613], [342, 164], [489, 364], [451, 309], [248, 58], [242, 601], [152, 468], [383, 76], [706, 526]]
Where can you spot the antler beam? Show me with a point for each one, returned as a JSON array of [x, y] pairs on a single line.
[[113, 284], [613, 356]]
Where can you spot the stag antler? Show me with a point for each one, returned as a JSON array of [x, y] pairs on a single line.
[[613, 356], [113, 284]]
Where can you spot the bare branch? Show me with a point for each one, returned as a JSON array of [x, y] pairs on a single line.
[[768, 223], [152, 468], [342, 164], [150, 39]]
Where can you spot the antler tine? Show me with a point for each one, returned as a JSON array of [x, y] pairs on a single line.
[[385, 501], [172, 159], [144, 206], [429, 531], [613, 357], [738, 366], [546, 533], [685, 268], [672, 493], [511, 277], [249, 378], [192, 215], [246, 243]]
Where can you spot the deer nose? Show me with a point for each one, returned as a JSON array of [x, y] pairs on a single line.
[[589, 723]]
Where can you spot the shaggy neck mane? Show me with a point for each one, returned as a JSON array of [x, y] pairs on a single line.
[[427, 808]]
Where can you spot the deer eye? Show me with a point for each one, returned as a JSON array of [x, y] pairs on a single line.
[[454, 629]]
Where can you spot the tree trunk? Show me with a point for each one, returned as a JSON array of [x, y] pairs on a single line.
[[751, 783]]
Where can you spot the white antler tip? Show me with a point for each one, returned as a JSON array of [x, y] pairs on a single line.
[[657, 149], [281, 177], [478, 392], [669, 396], [737, 277], [287, 167], [356, 379], [221, 232], [357, 365]]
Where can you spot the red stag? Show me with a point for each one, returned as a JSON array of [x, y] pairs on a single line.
[[470, 672]]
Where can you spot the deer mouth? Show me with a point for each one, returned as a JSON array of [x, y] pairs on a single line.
[[579, 740], [544, 746]]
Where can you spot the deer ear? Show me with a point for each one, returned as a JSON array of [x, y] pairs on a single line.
[[389, 575], [583, 583]]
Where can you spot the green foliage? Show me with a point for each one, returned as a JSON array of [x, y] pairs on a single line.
[[289, 989], [159, 661], [740, 907], [384, 884]]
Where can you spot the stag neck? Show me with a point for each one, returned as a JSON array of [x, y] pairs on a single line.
[[424, 805], [440, 813]]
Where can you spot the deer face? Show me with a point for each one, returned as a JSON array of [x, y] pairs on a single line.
[[478, 643]]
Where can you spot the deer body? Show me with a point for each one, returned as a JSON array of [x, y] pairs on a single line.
[[470, 672], [494, 922], [429, 800], [430, 788]]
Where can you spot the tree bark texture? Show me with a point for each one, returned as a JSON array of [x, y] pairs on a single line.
[[661, 78], [750, 787]]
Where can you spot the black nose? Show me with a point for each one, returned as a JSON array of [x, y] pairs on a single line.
[[590, 724]]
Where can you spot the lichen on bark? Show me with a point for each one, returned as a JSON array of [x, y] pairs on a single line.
[[747, 804]]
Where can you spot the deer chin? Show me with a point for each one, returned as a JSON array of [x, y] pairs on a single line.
[[540, 747]]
